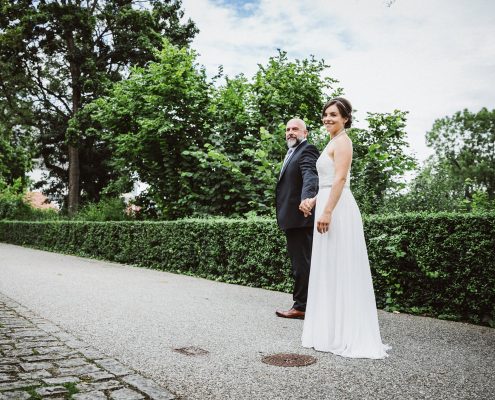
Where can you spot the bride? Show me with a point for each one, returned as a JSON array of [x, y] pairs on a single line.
[[341, 314]]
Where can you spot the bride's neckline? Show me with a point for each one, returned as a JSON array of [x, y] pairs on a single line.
[[337, 135]]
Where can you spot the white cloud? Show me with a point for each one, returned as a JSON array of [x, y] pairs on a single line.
[[431, 58]]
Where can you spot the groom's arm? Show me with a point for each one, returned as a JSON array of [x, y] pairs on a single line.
[[307, 166]]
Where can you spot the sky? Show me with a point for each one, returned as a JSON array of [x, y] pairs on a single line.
[[428, 57]]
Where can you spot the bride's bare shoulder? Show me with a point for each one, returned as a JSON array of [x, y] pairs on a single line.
[[343, 143]]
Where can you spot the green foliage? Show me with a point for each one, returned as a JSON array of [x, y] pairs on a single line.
[[14, 206], [435, 189], [33, 393], [150, 119], [71, 388], [465, 142], [480, 202], [379, 160], [431, 190], [248, 144], [236, 184], [107, 209], [282, 90], [439, 265], [57, 56], [200, 148], [16, 151], [461, 174]]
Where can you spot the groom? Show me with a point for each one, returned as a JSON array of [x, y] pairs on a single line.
[[298, 180]]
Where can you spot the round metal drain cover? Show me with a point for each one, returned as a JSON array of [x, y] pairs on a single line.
[[289, 360]]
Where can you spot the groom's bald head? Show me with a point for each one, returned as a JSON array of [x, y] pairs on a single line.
[[299, 122]]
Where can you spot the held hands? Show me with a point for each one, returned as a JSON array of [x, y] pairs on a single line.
[[323, 223], [307, 205]]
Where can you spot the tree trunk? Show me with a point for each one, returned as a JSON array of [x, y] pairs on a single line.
[[73, 202], [74, 167]]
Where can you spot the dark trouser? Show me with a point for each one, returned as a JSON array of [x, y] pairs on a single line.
[[299, 245]]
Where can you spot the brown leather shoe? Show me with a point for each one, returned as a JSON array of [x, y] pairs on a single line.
[[292, 313]]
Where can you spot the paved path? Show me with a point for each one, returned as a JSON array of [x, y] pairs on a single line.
[[140, 317], [39, 360]]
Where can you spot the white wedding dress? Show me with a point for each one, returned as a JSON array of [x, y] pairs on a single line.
[[341, 314]]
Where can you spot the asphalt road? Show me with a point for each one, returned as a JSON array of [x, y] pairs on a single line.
[[140, 316]]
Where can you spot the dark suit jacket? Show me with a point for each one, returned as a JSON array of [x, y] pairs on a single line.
[[298, 181]]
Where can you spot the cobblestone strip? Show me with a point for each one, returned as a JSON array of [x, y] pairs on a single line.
[[38, 360]]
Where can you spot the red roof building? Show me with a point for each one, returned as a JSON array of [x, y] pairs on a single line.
[[39, 200]]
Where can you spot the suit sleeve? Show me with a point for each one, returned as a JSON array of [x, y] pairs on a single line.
[[307, 165]]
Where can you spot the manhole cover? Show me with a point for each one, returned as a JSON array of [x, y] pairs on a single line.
[[191, 351], [289, 360]]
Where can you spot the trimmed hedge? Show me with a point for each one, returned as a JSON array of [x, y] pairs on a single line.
[[431, 264]]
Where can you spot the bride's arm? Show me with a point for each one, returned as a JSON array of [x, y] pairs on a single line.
[[342, 158]]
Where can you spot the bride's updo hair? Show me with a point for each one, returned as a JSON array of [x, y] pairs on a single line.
[[344, 107]]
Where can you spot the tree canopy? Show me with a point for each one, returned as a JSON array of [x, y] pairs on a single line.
[[57, 56], [215, 149], [149, 119], [108, 93], [460, 176], [465, 142], [203, 148], [16, 152], [380, 160]]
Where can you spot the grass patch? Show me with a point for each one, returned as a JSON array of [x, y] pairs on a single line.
[[34, 395], [71, 387]]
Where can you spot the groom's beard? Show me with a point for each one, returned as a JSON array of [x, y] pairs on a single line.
[[293, 142]]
